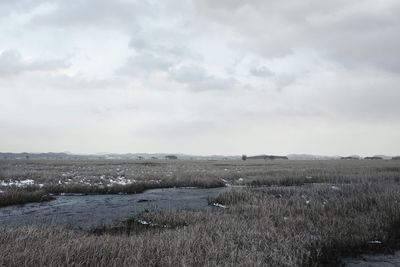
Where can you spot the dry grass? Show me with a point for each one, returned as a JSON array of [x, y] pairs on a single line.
[[16, 196], [347, 205]]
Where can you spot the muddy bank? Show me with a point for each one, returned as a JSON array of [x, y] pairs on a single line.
[[91, 211]]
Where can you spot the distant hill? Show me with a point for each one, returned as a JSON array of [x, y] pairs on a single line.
[[110, 156], [383, 156], [351, 157], [374, 158], [163, 156], [25, 155], [310, 157], [267, 157]]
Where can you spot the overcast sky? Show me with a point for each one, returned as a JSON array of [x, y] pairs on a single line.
[[200, 77]]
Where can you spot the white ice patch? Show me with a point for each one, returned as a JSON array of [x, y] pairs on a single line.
[[21, 183], [69, 181], [225, 181], [218, 205], [69, 174], [27, 182], [151, 224], [85, 182], [120, 180], [375, 242], [71, 194]]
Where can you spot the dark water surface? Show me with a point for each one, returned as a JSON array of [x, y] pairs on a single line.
[[380, 260], [92, 211]]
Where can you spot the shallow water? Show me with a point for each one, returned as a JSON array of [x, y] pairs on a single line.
[[380, 260], [92, 211]]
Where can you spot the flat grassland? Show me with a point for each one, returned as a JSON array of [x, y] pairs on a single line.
[[277, 213]]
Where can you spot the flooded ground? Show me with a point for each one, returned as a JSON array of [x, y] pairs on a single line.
[[92, 211], [380, 260]]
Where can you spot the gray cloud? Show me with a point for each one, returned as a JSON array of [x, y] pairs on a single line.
[[86, 13], [12, 63], [261, 71], [8, 7], [146, 62], [299, 71], [197, 79], [354, 34]]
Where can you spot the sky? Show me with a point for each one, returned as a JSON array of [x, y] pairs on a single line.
[[200, 77]]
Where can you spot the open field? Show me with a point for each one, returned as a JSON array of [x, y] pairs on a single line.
[[277, 213]]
